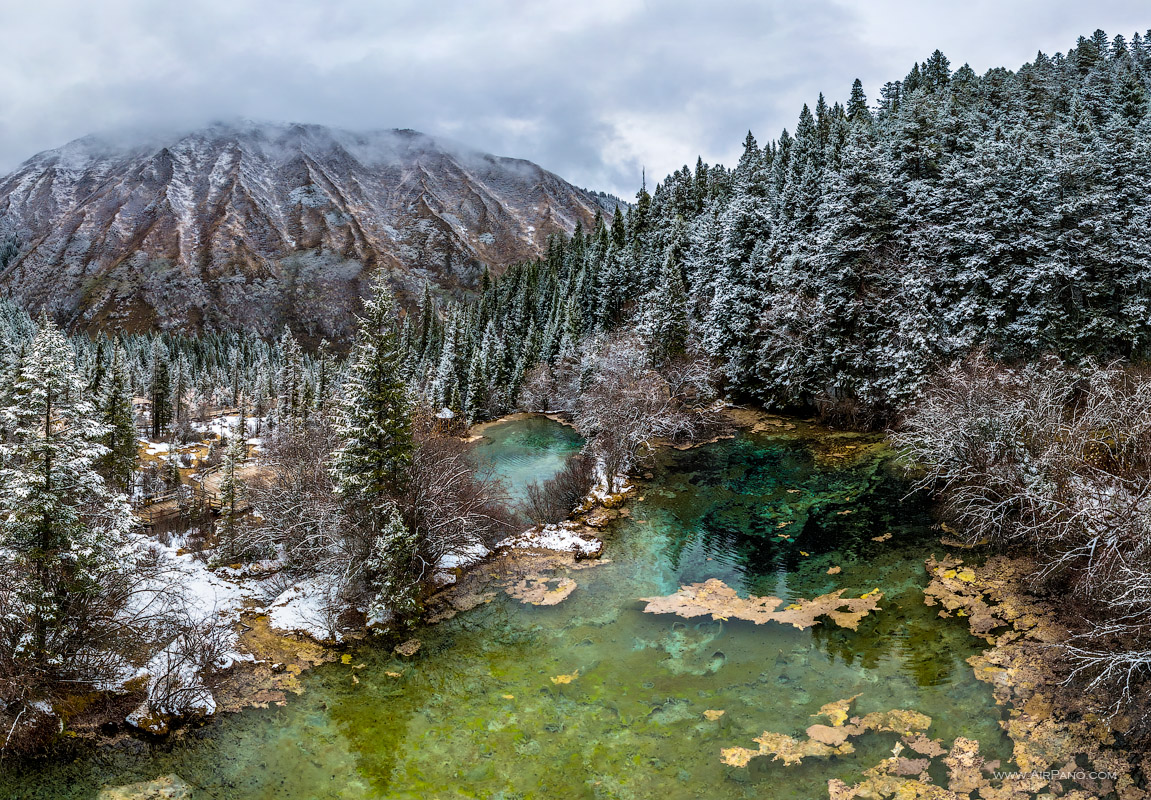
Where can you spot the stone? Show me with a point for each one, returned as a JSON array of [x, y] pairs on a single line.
[[166, 787]]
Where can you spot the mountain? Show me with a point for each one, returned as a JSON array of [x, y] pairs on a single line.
[[253, 226]]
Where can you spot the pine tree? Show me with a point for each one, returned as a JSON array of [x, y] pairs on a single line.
[[323, 376], [99, 367], [389, 567], [375, 422], [233, 491], [857, 103], [181, 379], [290, 406], [427, 320], [936, 72], [61, 529], [666, 315], [118, 464], [160, 388]]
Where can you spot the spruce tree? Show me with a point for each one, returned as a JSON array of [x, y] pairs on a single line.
[[160, 388], [62, 530], [118, 464], [857, 103], [290, 406], [233, 490], [667, 324], [375, 421]]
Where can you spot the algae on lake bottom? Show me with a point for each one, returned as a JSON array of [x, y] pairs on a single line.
[[592, 697]]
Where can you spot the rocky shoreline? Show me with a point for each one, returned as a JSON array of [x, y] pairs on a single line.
[[1060, 736]]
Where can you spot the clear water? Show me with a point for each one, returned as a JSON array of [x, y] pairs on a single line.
[[476, 714], [524, 449]]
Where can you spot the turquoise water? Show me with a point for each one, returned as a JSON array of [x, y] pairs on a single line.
[[523, 450], [476, 713]]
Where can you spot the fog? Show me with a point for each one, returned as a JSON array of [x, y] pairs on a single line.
[[596, 92]]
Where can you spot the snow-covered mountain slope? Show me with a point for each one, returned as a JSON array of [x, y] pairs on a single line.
[[257, 225]]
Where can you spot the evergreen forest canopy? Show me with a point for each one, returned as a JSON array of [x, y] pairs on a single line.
[[842, 263], [182, 377]]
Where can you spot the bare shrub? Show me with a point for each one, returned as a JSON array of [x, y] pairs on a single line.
[[447, 511], [1058, 461], [299, 516], [138, 612], [177, 685], [450, 507], [625, 404], [554, 499], [538, 390]]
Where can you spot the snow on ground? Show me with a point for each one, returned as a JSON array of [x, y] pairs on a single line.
[[226, 426], [155, 448], [250, 569], [306, 608], [464, 557], [183, 588], [458, 559], [206, 595], [564, 537], [599, 492], [175, 687]]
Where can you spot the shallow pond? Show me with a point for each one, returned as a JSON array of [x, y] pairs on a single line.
[[476, 713], [524, 449]]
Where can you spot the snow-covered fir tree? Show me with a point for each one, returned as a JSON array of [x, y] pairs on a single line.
[[375, 414], [118, 464], [62, 529]]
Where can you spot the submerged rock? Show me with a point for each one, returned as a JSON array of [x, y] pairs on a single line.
[[540, 592], [716, 598], [408, 648], [167, 787]]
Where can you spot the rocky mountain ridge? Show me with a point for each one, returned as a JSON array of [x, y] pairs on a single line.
[[254, 226]]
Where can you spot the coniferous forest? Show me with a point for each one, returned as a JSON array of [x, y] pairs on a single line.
[[840, 263], [942, 293]]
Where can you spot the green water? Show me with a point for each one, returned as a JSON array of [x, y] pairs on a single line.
[[476, 714], [523, 450]]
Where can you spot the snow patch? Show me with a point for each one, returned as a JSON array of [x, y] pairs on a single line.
[[566, 537], [443, 578], [464, 557], [600, 493], [155, 448], [307, 607]]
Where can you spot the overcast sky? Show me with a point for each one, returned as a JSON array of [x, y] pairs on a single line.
[[593, 90]]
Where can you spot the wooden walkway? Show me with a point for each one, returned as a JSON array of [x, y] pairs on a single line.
[[195, 497]]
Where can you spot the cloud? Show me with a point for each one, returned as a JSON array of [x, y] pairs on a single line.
[[595, 91]]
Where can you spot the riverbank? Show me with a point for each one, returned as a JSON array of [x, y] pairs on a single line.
[[1065, 739], [548, 658], [275, 632]]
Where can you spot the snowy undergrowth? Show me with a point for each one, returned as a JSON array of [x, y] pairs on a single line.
[[203, 608], [601, 490], [564, 537], [309, 607]]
